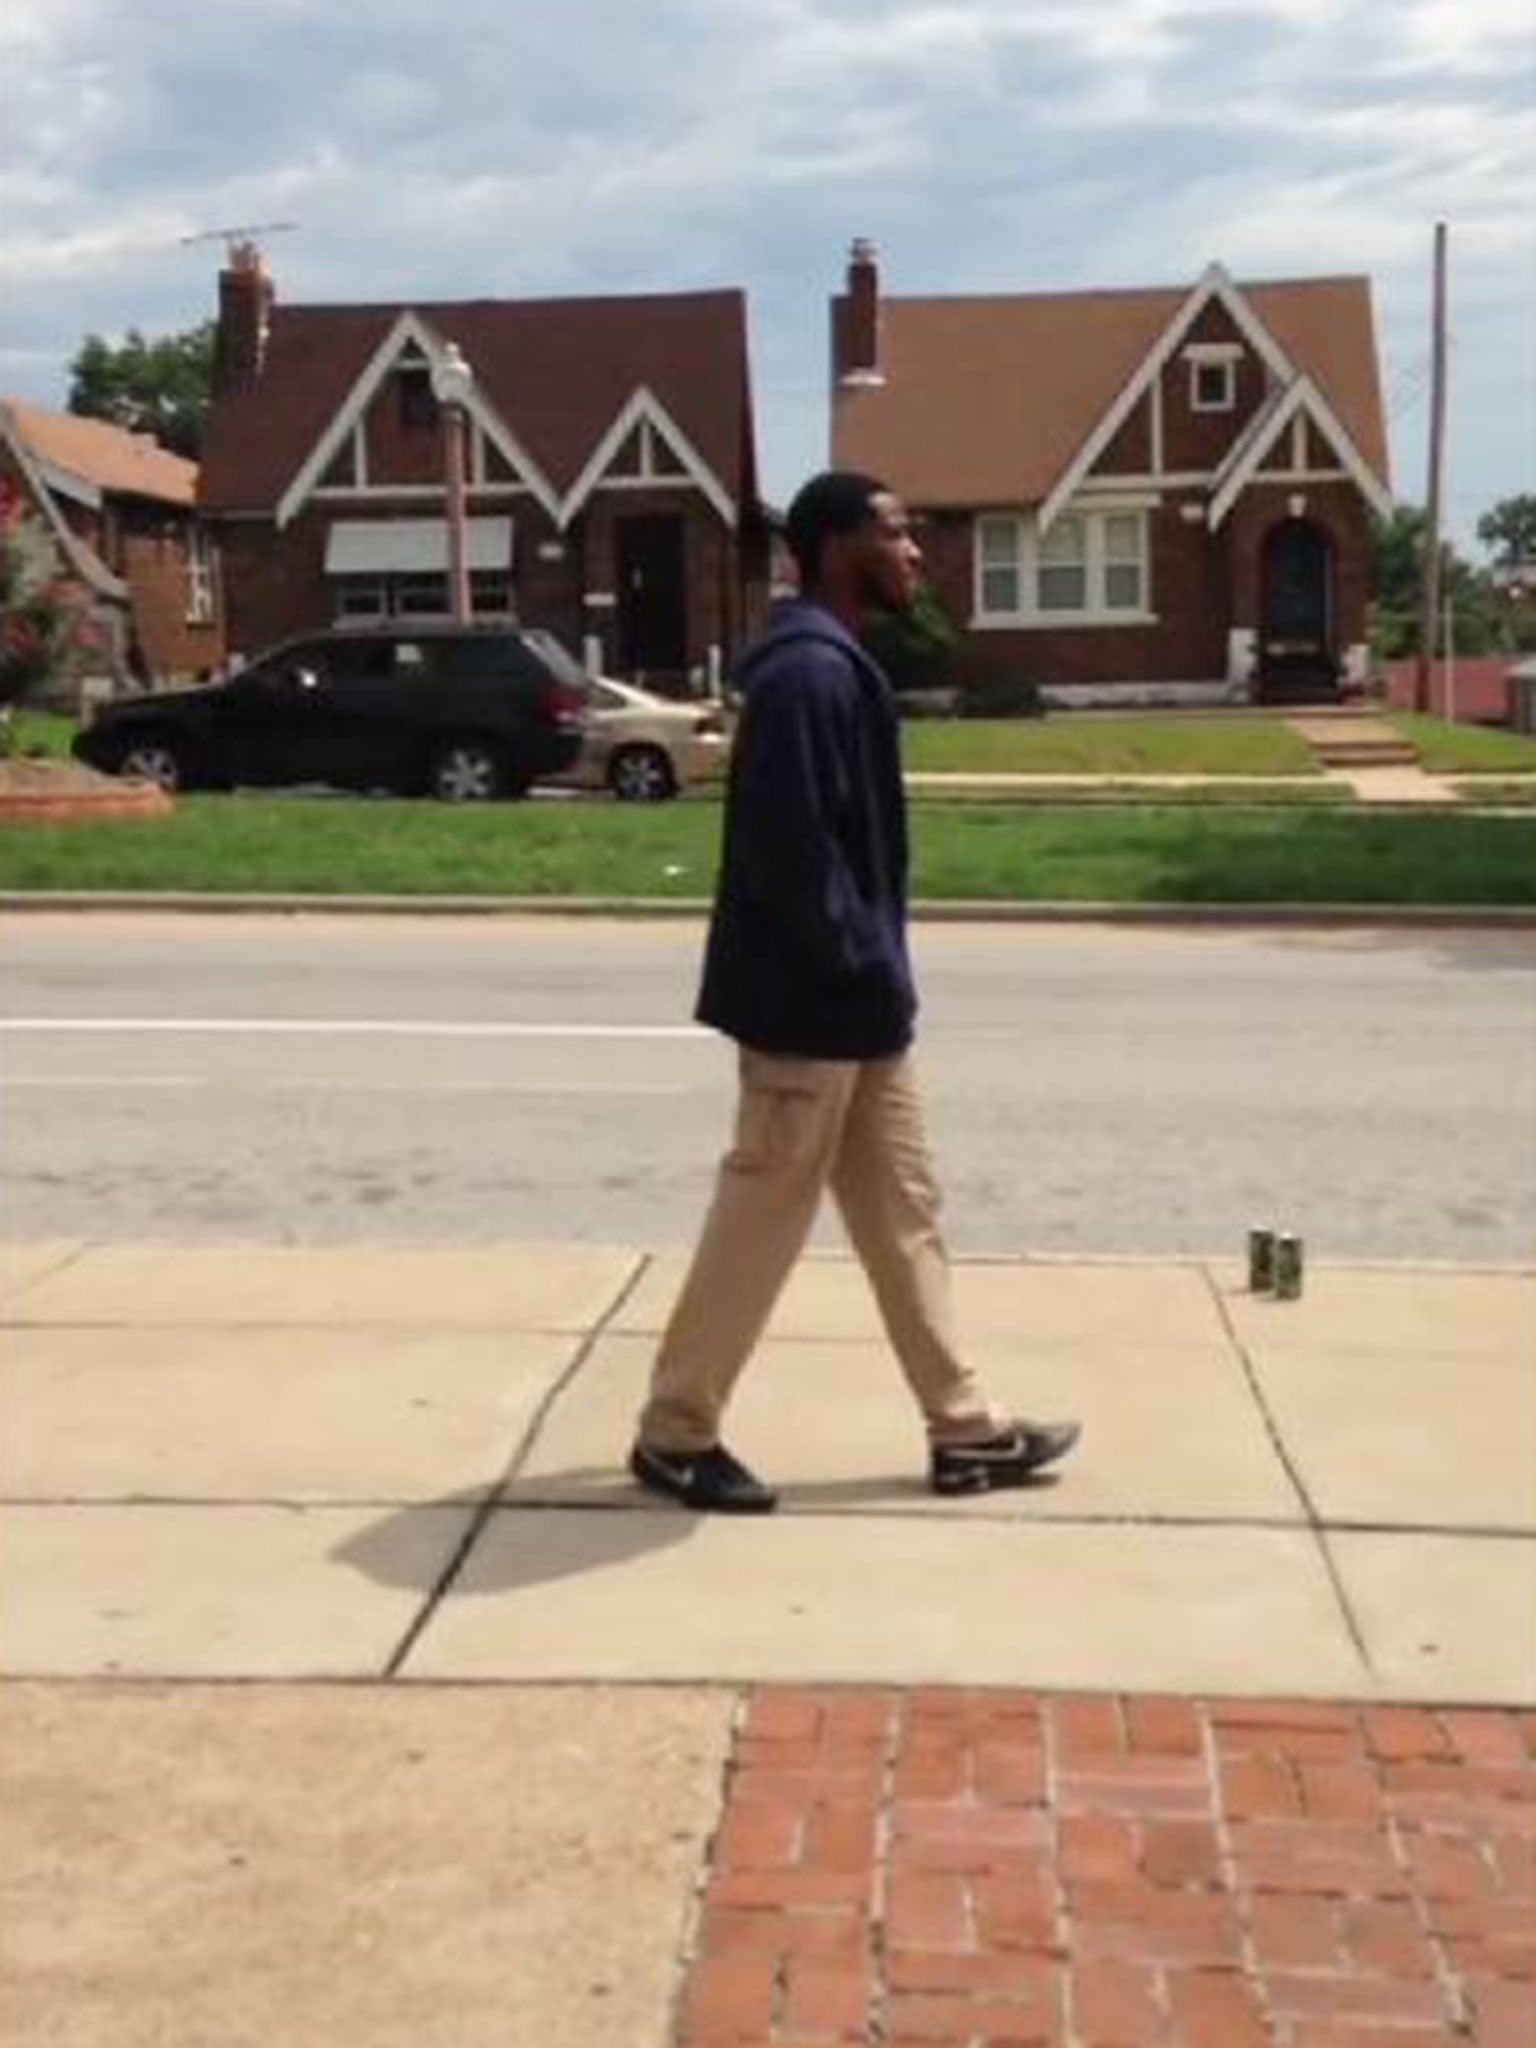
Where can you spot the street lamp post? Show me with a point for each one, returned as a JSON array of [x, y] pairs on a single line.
[[452, 382]]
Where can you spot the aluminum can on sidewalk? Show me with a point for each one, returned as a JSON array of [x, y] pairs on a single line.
[[1261, 1260], [1289, 1261]]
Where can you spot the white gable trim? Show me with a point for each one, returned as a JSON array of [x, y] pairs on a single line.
[[643, 404], [408, 332], [84, 560], [1302, 397], [1215, 284]]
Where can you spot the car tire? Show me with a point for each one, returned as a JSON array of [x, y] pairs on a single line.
[[156, 760], [468, 771], [641, 775]]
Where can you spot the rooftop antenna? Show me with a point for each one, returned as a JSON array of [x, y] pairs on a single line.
[[240, 243]]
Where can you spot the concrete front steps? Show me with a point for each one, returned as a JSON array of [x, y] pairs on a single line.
[[1353, 739]]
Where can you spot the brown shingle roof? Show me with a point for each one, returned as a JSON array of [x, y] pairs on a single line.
[[988, 400], [556, 370], [103, 455]]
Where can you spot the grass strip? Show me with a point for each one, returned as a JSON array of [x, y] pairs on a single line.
[[1182, 743], [1062, 790], [1447, 749], [1147, 853], [1488, 789]]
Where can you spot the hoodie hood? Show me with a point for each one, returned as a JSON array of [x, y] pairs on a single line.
[[800, 619]]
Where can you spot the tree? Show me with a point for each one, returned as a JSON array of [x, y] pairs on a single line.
[[916, 648], [1509, 530], [1397, 571], [43, 621], [157, 385]]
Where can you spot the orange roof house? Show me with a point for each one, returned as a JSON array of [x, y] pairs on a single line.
[[1140, 495], [122, 512]]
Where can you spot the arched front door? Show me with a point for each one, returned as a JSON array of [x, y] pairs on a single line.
[[1297, 660]]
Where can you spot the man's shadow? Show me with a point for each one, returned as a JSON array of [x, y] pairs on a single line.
[[535, 1532]]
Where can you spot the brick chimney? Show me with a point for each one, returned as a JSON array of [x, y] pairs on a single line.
[[857, 342], [245, 311]]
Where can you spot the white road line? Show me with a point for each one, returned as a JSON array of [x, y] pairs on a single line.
[[337, 1027]]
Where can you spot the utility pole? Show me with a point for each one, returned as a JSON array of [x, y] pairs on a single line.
[[1429, 620]]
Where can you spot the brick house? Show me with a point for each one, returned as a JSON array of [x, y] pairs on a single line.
[[122, 514], [1130, 496], [611, 470]]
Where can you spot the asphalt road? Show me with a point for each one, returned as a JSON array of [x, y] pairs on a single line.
[[316, 1079]]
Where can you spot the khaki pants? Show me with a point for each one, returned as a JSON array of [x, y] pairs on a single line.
[[802, 1126]]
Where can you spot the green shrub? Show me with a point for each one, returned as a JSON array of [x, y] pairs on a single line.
[[1002, 697]]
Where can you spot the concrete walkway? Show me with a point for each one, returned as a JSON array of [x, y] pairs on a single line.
[[324, 1594]]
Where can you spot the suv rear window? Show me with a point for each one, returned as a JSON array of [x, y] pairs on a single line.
[[562, 665], [497, 657]]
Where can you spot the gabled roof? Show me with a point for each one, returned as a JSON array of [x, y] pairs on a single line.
[[556, 372], [82, 561], [1299, 398], [101, 457], [991, 401]]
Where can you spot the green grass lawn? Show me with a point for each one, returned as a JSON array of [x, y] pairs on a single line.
[[1066, 744], [1131, 854], [1450, 749], [1106, 744], [1487, 789]]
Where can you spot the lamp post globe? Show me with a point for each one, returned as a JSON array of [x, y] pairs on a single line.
[[452, 378]]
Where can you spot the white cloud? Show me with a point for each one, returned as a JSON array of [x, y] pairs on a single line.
[[597, 145]]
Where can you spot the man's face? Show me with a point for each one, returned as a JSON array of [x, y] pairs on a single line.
[[887, 560]]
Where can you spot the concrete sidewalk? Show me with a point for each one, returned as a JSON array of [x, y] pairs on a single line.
[[323, 1589]]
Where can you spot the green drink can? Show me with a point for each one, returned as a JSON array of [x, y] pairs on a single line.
[[1261, 1260], [1289, 1259]]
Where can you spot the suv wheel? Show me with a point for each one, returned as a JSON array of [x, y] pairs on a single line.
[[641, 775], [156, 761], [467, 771]]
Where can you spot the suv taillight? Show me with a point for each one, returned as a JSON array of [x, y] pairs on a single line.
[[567, 704]]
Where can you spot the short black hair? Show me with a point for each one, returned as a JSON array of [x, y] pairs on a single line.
[[836, 501]]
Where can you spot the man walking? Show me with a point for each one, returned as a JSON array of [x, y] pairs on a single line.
[[807, 969]]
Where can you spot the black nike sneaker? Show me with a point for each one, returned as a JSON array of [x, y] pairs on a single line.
[[712, 1481], [1007, 1459]]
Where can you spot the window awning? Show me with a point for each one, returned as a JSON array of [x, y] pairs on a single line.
[[375, 547]]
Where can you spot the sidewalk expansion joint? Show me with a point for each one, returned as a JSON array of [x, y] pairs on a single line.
[[1293, 1473], [494, 1495]]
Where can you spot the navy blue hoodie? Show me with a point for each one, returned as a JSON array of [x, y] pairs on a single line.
[[807, 951]]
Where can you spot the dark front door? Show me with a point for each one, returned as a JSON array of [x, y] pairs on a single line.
[[653, 598], [1297, 659]]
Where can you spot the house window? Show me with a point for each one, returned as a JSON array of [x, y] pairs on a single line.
[[419, 596], [998, 552], [1091, 568], [1062, 582], [1125, 562], [199, 577], [361, 597], [1213, 384]]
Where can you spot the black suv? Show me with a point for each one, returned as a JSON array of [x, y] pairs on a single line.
[[462, 713]]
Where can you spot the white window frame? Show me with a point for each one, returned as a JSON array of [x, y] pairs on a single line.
[[987, 557], [201, 606], [375, 598], [1204, 357]]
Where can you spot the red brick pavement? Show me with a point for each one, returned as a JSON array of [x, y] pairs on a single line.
[[928, 1869]]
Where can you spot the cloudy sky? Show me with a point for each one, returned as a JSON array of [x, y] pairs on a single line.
[[536, 147]]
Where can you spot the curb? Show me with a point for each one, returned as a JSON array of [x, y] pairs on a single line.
[[1329, 916]]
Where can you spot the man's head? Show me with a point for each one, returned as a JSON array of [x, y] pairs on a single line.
[[853, 542]]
